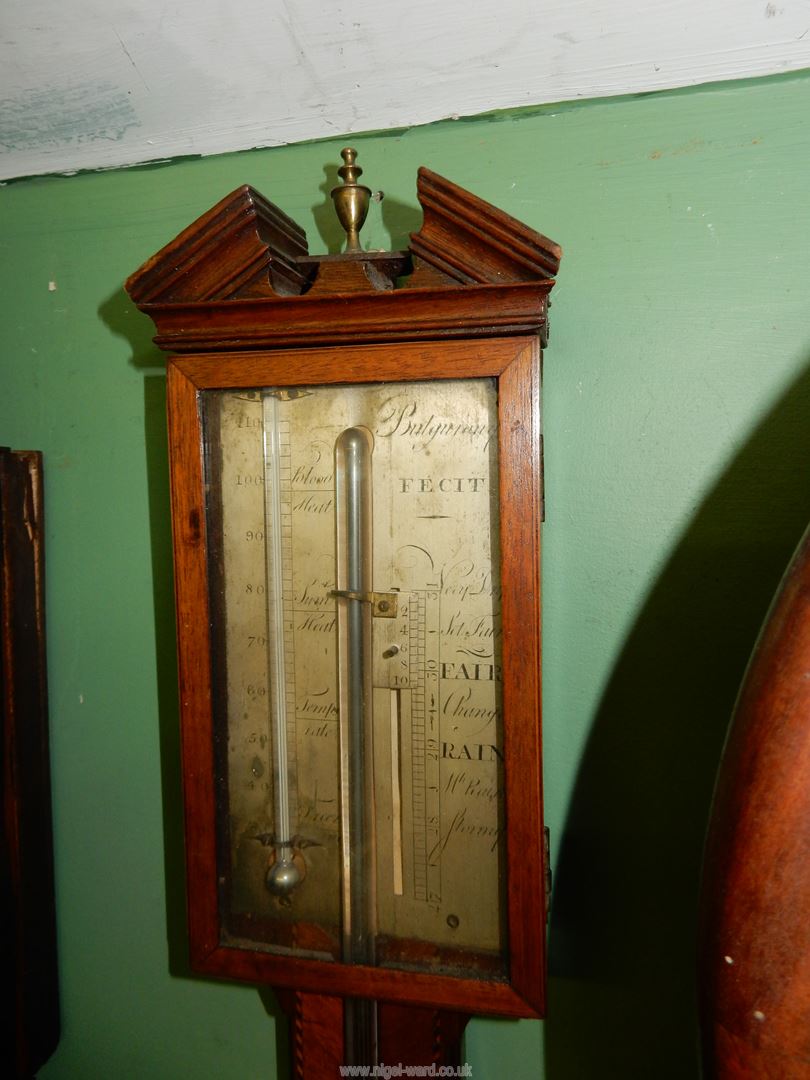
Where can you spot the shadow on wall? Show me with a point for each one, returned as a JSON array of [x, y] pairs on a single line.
[[622, 999], [324, 214], [399, 219]]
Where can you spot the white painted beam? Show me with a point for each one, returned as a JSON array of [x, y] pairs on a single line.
[[90, 84]]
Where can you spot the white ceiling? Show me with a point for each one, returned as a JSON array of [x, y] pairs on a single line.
[[88, 84]]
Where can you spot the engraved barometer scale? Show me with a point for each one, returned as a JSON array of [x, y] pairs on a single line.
[[356, 465]]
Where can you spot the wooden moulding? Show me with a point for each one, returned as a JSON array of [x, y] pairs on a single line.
[[472, 241], [403, 315], [243, 246], [240, 277]]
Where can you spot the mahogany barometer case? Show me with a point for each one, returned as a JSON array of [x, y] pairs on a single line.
[[356, 471]]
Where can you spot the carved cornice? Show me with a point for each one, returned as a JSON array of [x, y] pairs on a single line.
[[401, 315], [472, 241], [243, 246], [239, 277]]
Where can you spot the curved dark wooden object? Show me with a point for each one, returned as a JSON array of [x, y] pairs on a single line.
[[29, 1028], [755, 932]]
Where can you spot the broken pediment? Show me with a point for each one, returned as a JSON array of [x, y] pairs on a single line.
[[242, 247], [247, 248], [470, 241]]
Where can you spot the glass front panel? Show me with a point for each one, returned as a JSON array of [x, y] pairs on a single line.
[[356, 621]]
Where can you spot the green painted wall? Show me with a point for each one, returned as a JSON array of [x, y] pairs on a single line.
[[677, 418]]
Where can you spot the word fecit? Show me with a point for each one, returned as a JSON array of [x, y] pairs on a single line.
[[388, 1072], [447, 485]]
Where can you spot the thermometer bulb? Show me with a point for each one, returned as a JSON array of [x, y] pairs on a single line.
[[283, 876]]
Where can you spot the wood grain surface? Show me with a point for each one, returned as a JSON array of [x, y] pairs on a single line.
[[755, 939]]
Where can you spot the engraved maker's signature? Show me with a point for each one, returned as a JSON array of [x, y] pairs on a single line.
[[401, 418]]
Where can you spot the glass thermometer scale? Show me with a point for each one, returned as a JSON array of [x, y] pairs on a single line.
[[356, 481]]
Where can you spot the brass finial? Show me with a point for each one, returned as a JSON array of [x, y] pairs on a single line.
[[351, 199]]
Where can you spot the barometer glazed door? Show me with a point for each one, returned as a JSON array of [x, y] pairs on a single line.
[[357, 595]]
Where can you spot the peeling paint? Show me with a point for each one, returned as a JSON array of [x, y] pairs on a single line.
[[57, 116]]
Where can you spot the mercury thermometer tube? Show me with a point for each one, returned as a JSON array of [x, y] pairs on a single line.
[[283, 876], [353, 542], [354, 582]]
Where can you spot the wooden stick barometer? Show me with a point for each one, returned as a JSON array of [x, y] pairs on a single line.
[[356, 498]]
